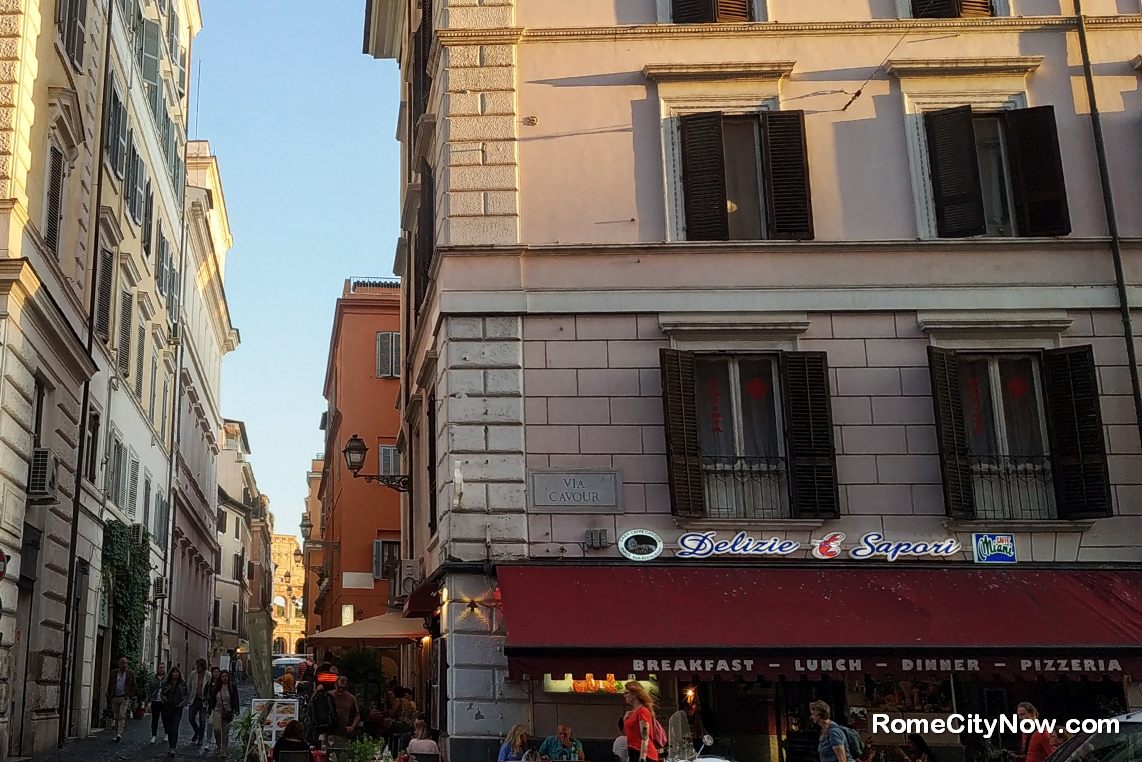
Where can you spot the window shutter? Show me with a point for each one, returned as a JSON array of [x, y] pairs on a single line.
[[396, 355], [384, 355], [425, 235], [140, 352], [704, 177], [55, 203], [172, 35], [121, 135], [154, 382], [935, 9], [975, 8], [788, 199], [954, 166], [175, 293], [378, 569], [732, 10], [950, 434], [694, 11], [182, 73], [103, 309], [148, 220], [121, 488], [161, 265], [683, 453], [123, 352], [150, 52], [133, 488], [1040, 190], [1078, 449], [809, 430]]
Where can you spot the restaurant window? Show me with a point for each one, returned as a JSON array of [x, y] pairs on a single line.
[[1020, 434], [996, 174], [749, 436], [745, 177]]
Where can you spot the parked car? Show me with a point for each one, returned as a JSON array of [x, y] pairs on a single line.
[[1123, 746]]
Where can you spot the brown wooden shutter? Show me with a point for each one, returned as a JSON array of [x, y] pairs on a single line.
[[975, 8], [1078, 447], [55, 203], [694, 11], [683, 453], [704, 177], [935, 9], [954, 165], [809, 436], [789, 203], [730, 11], [950, 433], [1041, 207]]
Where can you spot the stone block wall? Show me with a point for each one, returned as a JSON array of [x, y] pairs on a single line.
[[593, 400], [479, 167]]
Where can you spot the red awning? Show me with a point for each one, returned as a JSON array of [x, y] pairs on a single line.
[[764, 622], [423, 601]]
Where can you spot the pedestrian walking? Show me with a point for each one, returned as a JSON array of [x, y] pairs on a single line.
[[1037, 746], [120, 689], [833, 744], [175, 693], [223, 705], [199, 685], [155, 699], [639, 724], [239, 675]]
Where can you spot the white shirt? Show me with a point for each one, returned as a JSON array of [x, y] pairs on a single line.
[[620, 749], [423, 746]]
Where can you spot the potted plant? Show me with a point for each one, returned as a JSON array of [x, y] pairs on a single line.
[[138, 705]]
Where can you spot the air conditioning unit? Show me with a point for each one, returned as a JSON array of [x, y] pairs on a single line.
[[43, 480], [402, 582], [138, 532], [160, 590]]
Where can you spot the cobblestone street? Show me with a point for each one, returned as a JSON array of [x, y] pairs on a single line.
[[101, 747]]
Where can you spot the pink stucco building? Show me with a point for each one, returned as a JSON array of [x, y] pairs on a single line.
[[788, 268]]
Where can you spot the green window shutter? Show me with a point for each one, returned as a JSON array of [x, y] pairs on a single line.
[[809, 429], [951, 435], [683, 452], [1078, 446], [788, 198], [126, 320], [1037, 180], [954, 167], [704, 177]]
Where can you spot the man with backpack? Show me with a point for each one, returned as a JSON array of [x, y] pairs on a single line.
[[322, 710], [838, 743]]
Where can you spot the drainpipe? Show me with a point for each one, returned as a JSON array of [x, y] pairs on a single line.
[[1111, 217], [67, 681]]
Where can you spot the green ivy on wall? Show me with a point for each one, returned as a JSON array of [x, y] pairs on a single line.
[[127, 573]]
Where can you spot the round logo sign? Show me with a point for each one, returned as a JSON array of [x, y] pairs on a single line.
[[640, 545]]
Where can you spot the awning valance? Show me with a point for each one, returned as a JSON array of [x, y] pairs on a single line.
[[768, 622]]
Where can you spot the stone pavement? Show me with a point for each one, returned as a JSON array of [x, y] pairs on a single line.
[[135, 746]]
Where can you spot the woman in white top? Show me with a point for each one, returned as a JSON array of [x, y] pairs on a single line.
[[422, 742]]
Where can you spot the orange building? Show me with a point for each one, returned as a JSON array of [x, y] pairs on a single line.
[[359, 530]]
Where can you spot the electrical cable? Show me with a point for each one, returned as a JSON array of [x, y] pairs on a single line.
[[917, 18]]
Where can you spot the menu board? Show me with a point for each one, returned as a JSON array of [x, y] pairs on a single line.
[[279, 715]]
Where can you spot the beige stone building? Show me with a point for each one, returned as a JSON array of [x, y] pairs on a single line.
[[289, 581], [700, 297]]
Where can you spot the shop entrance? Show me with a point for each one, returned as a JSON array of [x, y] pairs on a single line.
[[762, 721]]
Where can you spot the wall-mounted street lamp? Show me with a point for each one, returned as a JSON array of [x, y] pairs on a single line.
[[355, 453]]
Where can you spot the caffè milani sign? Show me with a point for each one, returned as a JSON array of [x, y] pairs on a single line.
[[872, 545]]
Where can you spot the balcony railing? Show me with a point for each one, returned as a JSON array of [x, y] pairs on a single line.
[[1012, 487], [746, 488]]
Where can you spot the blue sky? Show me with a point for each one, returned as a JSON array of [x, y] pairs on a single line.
[[303, 126]]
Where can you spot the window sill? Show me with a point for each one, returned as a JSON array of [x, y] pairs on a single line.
[[1000, 525], [774, 525]]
